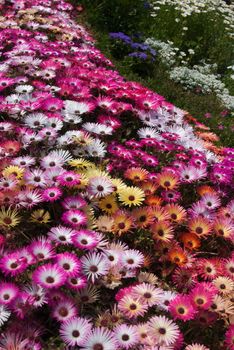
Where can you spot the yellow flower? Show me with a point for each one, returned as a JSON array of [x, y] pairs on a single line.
[[9, 218], [80, 163], [131, 196], [40, 216], [108, 204], [83, 140], [118, 185], [95, 172], [13, 170]]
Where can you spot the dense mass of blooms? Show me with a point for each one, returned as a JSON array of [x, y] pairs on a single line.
[[190, 7], [117, 207]]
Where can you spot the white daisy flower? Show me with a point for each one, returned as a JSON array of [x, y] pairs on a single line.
[[163, 330], [132, 259], [100, 186], [24, 89], [100, 339], [75, 332], [36, 120], [4, 314], [146, 133], [94, 265], [96, 149], [126, 336]]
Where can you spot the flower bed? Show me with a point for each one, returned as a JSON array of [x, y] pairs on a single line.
[[116, 206]]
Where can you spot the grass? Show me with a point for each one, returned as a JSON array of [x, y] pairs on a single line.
[[159, 81]]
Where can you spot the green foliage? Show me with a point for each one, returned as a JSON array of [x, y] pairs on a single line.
[[118, 15], [205, 34]]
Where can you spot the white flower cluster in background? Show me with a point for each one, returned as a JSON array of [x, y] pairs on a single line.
[[202, 76], [169, 54], [188, 7], [199, 77]]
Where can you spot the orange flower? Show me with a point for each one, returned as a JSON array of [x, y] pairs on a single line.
[[168, 180], [123, 222], [148, 187], [159, 213], [176, 212], [210, 136], [224, 227], [162, 231], [142, 217], [153, 200], [177, 256], [136, 174], [200, 226], [201, 190], [190, 240]]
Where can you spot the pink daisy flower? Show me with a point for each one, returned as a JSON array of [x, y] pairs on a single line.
[[94, 265], [51, 194], [85, 239], [41, 249], [201, 297], [163, 330], [77, 282], [73, 202], [69, 179], [64, 310], [69, 263], [8, 292], [12, 264], [74, 217], [181, 308], [49, 276], [61, 234]]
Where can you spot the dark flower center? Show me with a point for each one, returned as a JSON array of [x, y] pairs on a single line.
[[14, 265], [125, 337], [50, 279], [75, 333], [200, 301], [147, 295], [162, 330], [130, 261], [199, 230], [133, 307], [84, 241], [181, 310], [98, 347], [66, 266], [63, 311], [93, 268]]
